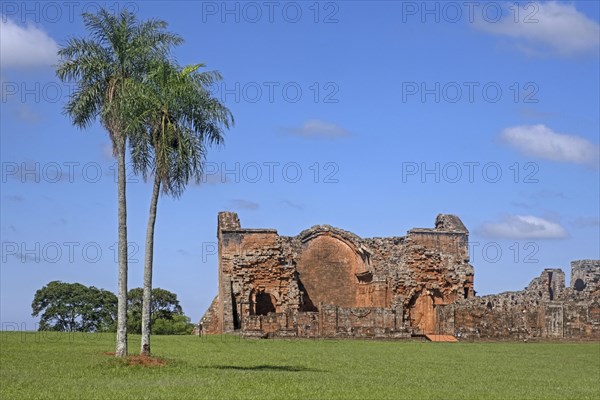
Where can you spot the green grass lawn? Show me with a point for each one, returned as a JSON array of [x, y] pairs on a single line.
[[66, 366]]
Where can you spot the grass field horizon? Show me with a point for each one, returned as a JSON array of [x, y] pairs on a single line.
[[38, 365]]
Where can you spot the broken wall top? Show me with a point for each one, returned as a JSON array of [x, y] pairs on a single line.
[[444, 223]]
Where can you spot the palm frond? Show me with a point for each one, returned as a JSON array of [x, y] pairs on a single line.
[[108, 68], [181, 119]]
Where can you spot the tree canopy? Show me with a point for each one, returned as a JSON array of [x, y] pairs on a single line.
[[73, 307], [165, 313]]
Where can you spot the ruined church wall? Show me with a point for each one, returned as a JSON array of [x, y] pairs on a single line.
[[439, 262], [259, 276], [544, 309], [329, 321], [210, 321], [261, 272], [327, 269], [327, 282], [424, 259], [585, 278], [566, 319]]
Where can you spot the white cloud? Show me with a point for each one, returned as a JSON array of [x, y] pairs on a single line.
[[523, 227], [587, 222], [25, 46], [548, 26], [315, 128], [244, 204], [542, 142]]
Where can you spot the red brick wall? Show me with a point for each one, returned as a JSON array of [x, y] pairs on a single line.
[[326, 268]]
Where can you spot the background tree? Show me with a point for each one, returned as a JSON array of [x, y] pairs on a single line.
[[73, 307], [166, 314], [178, 325], [105, 67], [179, 117]]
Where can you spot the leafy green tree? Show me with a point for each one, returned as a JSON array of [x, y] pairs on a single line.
[[178, 325], [106, 66], [167, 317], [179, 117], [73, 307]]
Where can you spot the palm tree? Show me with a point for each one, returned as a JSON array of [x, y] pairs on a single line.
[[178, 119], [113, 58]]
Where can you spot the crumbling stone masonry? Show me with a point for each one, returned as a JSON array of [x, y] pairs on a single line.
[[327, 282], [545, 308]]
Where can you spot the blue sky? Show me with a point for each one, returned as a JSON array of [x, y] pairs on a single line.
[[372, 117]]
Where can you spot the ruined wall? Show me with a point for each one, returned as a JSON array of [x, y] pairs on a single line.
[[544, 309], [585, 278], [272, 281], [326, 268], [425, 269], [327, 282], [255, 277], [210, 321], [330, 321]]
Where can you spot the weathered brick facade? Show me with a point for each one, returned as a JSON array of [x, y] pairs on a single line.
[[545, 308], [327, 282]]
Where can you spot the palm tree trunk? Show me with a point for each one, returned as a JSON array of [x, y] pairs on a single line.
[[147, 296], [121, 350]]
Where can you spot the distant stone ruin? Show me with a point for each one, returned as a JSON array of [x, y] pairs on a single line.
[[545, 308], [327, 282]]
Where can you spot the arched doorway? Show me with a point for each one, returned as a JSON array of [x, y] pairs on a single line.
[[422, 311], [264, 303]]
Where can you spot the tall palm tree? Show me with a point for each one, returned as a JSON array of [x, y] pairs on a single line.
[[113, 58], [179, 118]]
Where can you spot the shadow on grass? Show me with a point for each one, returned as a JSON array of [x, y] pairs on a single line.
[[281, 368]]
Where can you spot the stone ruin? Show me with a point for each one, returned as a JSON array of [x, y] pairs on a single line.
[[544, 309], [327, 282]]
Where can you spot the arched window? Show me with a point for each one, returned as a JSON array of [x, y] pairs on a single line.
[[579, 285], [264, 303]]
